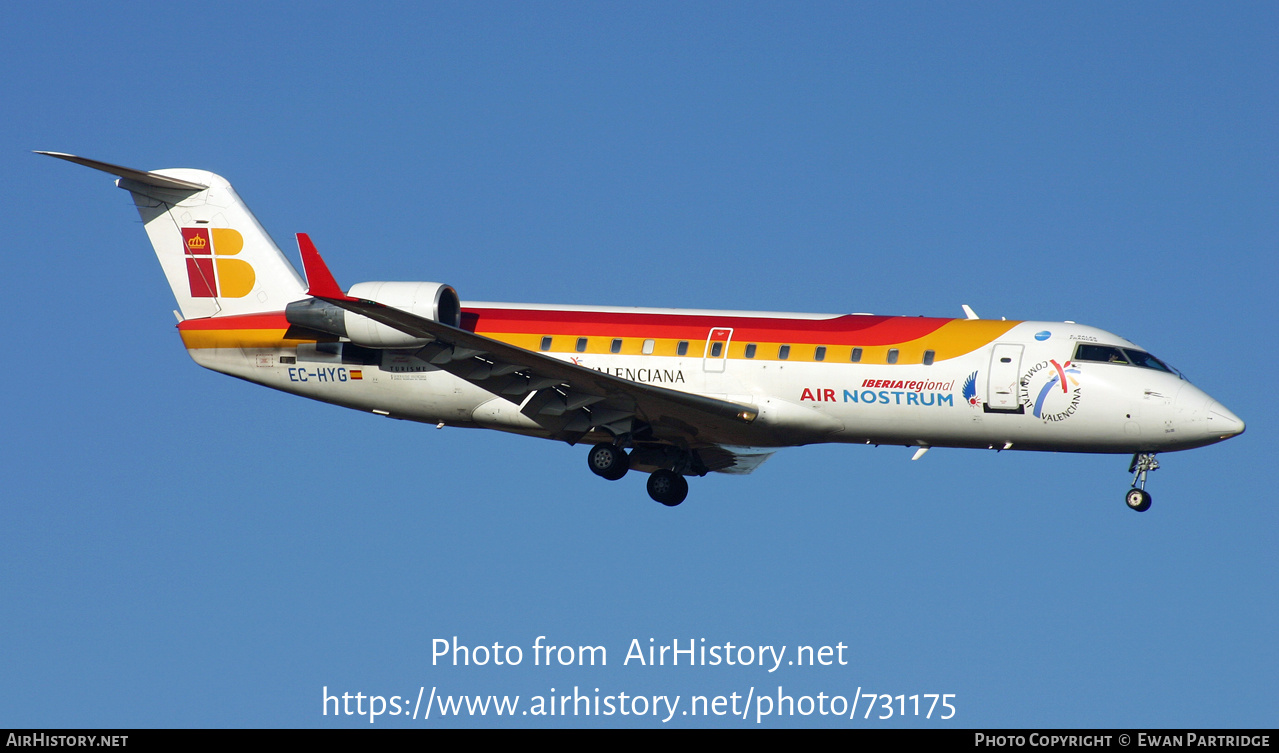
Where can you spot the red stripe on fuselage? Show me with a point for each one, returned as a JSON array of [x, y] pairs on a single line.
[[273, 320]]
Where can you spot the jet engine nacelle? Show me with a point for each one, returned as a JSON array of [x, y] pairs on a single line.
[[429, 300]]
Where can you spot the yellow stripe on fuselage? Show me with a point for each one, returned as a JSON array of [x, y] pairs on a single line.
[[199, 339], [953, 339]]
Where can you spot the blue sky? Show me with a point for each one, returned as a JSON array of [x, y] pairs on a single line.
[[182, 549]]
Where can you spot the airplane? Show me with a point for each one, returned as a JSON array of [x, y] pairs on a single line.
[[669, 392]]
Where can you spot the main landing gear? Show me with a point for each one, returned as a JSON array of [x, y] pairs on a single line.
[[612, 462], [667, 487], [608, 461], [1137, 497]]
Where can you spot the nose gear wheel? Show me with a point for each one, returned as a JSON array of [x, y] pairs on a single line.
[[1137, 497]]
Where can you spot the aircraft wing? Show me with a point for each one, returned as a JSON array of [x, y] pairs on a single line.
[[567, 399]]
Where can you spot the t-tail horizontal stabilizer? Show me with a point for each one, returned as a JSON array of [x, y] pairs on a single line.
[[141, 176]]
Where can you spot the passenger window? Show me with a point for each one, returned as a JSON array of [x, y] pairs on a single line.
[[581, 345], [648, 348], [783, 352], [928, 357], [616, 347], [682, 348], [856, 356], [546, 343], [750, 350], [892, 355], [820, 353], [716, 349]]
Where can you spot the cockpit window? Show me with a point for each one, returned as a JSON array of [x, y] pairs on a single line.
[[1100, 354], [1145, 360], [1125, 356]]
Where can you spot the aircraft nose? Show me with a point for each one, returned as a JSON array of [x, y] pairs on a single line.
[[1201, 419], [1222, 422]]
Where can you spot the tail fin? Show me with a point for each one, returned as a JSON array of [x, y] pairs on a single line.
[[217, 258]]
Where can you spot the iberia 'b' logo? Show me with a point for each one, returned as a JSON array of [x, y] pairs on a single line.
[[210, 273]]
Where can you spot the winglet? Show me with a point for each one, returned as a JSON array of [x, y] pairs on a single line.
[[318, 277]]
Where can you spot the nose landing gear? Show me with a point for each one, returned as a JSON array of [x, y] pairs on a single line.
[[1137, 497]]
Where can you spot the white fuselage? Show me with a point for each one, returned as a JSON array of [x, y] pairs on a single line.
[[1007, 394]]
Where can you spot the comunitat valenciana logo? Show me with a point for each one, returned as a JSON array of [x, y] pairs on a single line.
[[1051, 391], [210, 272]]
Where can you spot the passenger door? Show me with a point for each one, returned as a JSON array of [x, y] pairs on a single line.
[[716, 354], [1001, 384]]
